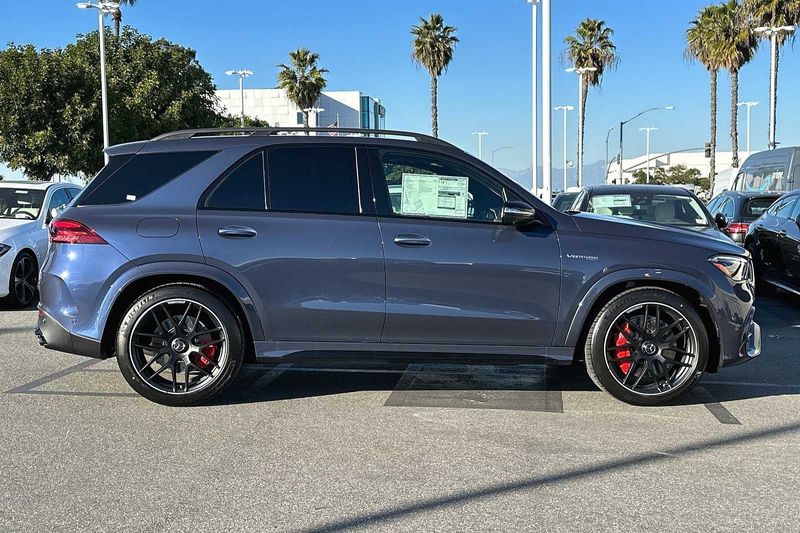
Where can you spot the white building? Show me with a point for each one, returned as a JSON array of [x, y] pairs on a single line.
[[347, 109], [691, 159]]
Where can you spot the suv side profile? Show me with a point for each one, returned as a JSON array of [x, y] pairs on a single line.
[[199, 250]]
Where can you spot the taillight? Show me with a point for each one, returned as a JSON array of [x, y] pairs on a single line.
[[737, 227], [73, 232]]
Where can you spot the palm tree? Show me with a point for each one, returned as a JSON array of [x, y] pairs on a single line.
[[735, 46], [591, 47], [303, 80], [702, 39], [117, 15], [433, 48], [775, 13]]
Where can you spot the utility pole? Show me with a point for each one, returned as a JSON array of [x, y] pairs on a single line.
[[534, 96], [772, 32], [748, 105], [648, 130], [565, 109], [242, 73], [480, 135], [580, 71], [547, 109]]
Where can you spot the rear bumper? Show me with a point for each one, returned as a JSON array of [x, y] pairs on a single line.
[[54, 336]]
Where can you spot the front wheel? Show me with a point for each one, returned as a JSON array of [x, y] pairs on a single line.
[[647, 346], [179, 345]]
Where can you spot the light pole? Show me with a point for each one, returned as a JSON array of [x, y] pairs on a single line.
[[498, 149], [772, 32], [580, 71], [480, 135], [565, 109], [534, 95], [748, 105], [242, 73], [103, 9], [648, 130], [622, 125], [608, 133], [547, 109]]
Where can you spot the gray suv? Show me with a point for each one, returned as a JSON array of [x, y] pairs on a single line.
[[200, 250]]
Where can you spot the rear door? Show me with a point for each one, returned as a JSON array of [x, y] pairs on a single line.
[[790, 247], [768, 233], [291, 223]]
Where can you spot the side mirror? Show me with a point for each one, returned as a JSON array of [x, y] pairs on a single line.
[[518, 213], [721, 221], [54, 212]]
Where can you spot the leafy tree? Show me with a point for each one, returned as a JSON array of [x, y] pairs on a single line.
[[433, 47], [674, 175], [50, 107], [230, 121], [117, 14], [303, 80], [591, 47]]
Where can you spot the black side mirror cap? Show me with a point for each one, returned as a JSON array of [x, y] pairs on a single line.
[[721, 221], [518, 214]]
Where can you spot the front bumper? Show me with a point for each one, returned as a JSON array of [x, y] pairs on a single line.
[[54, 336], [6, 262]]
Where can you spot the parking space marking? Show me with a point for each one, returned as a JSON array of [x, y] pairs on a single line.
[[28, 387], [719, 411]]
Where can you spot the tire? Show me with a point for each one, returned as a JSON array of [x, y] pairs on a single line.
[[656, 309], [174, 327], [23, 281]]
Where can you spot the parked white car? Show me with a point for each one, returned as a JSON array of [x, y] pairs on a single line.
[[26, 208]]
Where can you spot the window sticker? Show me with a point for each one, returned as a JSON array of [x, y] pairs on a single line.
[[434, 196], [612, 200]]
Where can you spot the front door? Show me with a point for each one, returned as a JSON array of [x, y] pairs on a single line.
[[307, 244], [454, 274]]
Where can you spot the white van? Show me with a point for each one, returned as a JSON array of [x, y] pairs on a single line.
[[771, 170]]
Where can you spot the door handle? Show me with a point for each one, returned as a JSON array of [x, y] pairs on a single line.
[[236, 232], [411, 240]]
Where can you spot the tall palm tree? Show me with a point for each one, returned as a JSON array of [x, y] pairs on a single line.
[[735, 46], [117, 15], [303, 80], [775, 13], [592, 47], [433, 47], [702, 40]]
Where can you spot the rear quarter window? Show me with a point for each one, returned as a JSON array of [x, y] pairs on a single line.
[[129, 178], [756, 207]]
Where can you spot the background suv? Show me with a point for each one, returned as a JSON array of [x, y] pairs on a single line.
[[198, 250]]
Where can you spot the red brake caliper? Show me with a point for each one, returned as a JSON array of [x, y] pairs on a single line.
[[207, 355], [625, 366]]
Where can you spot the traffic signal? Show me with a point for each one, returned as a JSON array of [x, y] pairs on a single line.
[[708, 150]]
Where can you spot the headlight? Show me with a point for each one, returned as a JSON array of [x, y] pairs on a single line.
[[3, 249], [733, 266]]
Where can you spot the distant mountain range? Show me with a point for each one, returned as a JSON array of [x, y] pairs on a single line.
[[593, 174]]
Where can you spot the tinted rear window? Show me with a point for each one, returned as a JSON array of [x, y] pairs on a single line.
[[756, 207], [127, 180], [242, 189], [313, 179]]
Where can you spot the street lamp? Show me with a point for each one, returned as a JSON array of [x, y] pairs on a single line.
[[580, 71], [772, 32], [103, 9], [565, 109], [534, 95], [748, 105], [480, 135], [242, 73], [622, 124], [498, 149], [648, 130], [547, 109], [608, 133]]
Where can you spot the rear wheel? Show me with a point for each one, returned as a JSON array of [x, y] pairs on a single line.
[[179, 345], [647, 346], [24, 280]]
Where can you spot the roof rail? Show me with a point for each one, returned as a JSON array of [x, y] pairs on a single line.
[[221, 132]]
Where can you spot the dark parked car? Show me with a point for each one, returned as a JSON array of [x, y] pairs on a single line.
[[774, 243], [199, 250], [563, 200], [657, 204], [733, 211]]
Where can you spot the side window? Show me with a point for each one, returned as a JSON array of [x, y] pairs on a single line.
[[728, 209], [242, 189], [795, 212], [713, 206], [785, 208], [420, 185], [313, 179], [58, 199]]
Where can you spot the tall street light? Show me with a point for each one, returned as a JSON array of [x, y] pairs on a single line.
[[242, 73], [622, 125], [103, 9], [498, 149], [648, 130], [608, 133], [748, 105], [565, 109], [772, 32], [480, 135], [580, 71], [534, 95], [547, 109]]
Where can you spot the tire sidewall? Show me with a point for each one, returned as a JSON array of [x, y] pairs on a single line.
[[12, 294]]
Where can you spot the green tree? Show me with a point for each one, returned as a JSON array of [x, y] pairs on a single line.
[[117, 14], [702, 44], [230, 121], [303, 80], [674, 175], [50, 110], [433, 47], [590, 47]]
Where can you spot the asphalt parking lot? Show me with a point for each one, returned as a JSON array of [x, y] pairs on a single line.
[[422, 448]]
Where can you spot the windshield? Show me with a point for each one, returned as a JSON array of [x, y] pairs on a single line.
[[669, 209], [564, 200], [764, 178], [20, 203]]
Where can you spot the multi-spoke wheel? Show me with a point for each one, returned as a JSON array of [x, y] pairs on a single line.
[[24, 281], [179, 345], [647, 346]]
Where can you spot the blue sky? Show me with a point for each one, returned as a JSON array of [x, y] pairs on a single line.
[[366, 46]]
